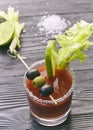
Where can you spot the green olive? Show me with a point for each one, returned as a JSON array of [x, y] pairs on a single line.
[[38, 81]]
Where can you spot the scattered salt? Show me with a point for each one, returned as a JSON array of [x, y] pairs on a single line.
[[52, 24]]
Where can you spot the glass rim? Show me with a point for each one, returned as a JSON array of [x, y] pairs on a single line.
[[69, 92]]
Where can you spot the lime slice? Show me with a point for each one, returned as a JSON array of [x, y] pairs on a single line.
[[6, 32], [49, 59]]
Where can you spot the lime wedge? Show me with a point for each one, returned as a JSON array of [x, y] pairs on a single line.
[[6, 32], [49, 59]]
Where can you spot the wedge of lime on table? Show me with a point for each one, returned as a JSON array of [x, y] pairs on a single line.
[[6, 32]]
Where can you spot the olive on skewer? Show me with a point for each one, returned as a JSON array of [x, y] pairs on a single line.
[[31, 74], [46, 91]]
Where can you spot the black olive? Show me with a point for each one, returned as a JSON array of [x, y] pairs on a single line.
[[31, 74], [46, 90]]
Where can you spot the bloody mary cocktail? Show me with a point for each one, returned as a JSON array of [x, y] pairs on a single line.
[[43, 109]]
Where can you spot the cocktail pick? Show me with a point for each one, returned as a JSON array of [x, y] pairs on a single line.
[[16, 54], [51, 97], [21, 59]]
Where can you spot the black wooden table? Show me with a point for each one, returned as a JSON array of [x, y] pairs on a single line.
[[14, 110]]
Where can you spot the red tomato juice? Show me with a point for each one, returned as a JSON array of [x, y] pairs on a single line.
[[44, 107]]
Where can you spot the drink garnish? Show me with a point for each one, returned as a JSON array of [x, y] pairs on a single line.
[[49, 61], [12, 17], [6, 35], [73, 44], [39, 81], [31, 74], [46, 90], [10, 31]]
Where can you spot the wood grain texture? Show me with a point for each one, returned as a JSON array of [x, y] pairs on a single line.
[[14, 110]]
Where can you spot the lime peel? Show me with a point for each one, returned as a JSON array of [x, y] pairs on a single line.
[[6, 32], [13, 17]]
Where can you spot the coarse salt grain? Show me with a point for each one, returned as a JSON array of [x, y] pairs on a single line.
[[52, 24]]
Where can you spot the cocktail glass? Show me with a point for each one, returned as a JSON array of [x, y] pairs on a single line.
[[43, 109]]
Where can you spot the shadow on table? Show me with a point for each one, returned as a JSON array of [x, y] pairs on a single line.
[[3, 49]]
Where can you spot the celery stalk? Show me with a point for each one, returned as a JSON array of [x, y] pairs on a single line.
[[73, 44]]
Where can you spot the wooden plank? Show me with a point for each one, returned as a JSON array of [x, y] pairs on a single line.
[[40, 7], [14, 110], [83, 121]]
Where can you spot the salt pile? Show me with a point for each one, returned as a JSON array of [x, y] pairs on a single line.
[[52, 24]]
